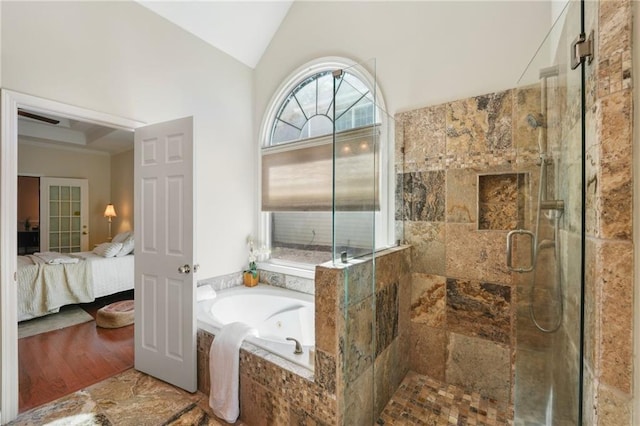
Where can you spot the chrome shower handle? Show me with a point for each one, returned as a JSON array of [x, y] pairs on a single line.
[[510, 237]]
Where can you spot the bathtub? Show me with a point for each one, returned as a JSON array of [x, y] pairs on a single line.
[[276, 314]]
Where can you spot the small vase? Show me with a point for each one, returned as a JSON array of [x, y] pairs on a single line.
[[249, 279]]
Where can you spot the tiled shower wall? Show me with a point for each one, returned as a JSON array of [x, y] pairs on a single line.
[[465, 169], [362, 333], [464, 305], [609, 250]]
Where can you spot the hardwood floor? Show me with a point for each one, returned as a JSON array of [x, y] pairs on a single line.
[[59, 362]]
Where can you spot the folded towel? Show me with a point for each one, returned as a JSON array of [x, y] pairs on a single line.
[[205, 292], [224, 366], [55, 258]]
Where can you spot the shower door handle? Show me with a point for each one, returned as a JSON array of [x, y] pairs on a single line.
[[510, 237]]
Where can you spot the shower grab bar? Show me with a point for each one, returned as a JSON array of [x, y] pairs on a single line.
[[510, 237]]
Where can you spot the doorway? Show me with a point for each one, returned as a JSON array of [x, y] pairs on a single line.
[[163, 170], [63, 352], [28, 214], [11, 102]]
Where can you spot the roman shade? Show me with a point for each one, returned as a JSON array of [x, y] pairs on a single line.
[[299, 176]]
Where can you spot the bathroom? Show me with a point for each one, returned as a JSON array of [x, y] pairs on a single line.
[[468, 311], [433, 286]]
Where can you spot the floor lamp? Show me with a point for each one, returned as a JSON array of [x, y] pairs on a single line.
[[109, 213]]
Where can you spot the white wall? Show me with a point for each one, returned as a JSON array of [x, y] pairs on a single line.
[[427, 52], [122, 190], [42, 160], [122, 59]]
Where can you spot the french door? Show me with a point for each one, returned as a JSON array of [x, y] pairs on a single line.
[[64, 207]]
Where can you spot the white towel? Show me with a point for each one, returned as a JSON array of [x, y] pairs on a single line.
[[224, 366], [205, 292]]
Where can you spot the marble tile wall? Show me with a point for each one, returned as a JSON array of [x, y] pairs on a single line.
[[609, 250], [463, 164], [501, 202], [459, 254], [360, 355], [373, 335]]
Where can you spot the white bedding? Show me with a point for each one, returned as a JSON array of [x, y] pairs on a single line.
[[43, 289], [110, 274]]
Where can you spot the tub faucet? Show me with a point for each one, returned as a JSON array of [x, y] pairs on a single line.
[[298, 349]]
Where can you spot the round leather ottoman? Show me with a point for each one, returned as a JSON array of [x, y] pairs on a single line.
[[114, 315]]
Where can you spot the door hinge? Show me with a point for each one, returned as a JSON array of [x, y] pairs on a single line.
[[581, 50]]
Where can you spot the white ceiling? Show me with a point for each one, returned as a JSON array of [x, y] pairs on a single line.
[[74, 134], [243, 29]]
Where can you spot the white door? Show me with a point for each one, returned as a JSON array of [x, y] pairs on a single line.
[[165, 324], [64, 214]]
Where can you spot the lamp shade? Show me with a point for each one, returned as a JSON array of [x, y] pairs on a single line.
[[110, 211]]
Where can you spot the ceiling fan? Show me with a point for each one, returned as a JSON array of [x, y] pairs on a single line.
[[37, 117]]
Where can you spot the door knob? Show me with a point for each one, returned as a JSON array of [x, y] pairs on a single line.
[[184, 269]]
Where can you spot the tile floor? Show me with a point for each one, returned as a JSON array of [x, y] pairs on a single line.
[[136, 399], [421, 400], [130, 398]]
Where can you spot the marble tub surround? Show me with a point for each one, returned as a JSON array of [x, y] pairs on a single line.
[[349, 361], [222, 282], [290, 282], [277, 279], [130, 398], [272, 390]]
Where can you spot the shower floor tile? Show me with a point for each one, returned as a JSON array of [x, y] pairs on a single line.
[[421, 400]]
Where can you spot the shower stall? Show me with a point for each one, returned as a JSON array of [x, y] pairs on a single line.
[[508, 323], [494, 215]]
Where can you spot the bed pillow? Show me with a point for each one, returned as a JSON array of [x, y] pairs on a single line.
[[127, 247], [121, 237], [108, 249]]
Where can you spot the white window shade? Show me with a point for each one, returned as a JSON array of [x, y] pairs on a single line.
[[299, 176]]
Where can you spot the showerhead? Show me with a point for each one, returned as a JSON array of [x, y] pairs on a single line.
[[535, 121]]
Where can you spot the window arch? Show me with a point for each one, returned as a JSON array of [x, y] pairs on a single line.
[[296, 135], [308, 110]]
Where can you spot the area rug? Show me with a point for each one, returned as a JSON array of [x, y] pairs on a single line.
[[67, 317]]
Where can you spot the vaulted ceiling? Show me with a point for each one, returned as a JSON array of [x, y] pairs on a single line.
[[242, 29]]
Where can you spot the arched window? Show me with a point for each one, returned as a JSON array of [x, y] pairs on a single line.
[[297, 159], [308, 110]]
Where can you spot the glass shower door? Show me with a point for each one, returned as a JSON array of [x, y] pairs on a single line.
[[359, 228], [547, 255]]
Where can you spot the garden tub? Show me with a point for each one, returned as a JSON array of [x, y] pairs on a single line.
[[276, 313]]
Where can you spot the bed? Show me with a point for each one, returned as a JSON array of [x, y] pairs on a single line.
[[47, 281]]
